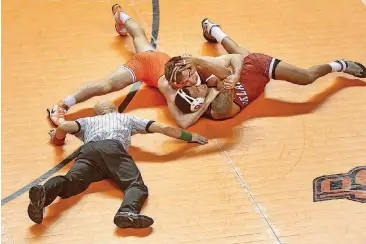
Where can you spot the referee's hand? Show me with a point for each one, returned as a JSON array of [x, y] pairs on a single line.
[[199, 139], [54, 139]]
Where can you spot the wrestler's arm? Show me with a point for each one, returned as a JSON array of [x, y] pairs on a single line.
[[223, 106], [183, 120], [177, 133], [186, 120], [229, 60], [216, 113], [216, 69], [223, 103]]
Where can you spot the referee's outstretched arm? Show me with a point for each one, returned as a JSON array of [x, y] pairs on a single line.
[[176, 133], [71, 127], [58, 134]]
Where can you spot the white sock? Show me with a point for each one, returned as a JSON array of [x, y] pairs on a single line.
[[124, 17], [338, 66], [218, 34], [70, 101]]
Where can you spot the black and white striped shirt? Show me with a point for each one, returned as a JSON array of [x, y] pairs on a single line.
[[115, 126]]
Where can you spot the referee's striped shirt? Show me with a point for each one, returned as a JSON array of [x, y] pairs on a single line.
[[114, 125]]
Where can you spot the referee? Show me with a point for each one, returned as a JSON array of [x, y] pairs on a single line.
[[107, 138]]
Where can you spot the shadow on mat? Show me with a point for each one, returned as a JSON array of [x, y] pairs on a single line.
[[133, 232], [128, 51], [262, 107], [147, 97], [185, 151], [56, 209]]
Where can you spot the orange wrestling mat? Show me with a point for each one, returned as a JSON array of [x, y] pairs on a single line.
[[291, 168]]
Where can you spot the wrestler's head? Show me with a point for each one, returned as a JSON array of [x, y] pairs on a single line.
[[104, 107], [190, 99], [179, 76]]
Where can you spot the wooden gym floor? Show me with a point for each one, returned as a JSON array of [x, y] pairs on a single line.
[[254, 181]]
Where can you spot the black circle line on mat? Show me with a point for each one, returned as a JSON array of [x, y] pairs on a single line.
[[121, 108]]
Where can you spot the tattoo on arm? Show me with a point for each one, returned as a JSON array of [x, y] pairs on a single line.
[[223, 103]]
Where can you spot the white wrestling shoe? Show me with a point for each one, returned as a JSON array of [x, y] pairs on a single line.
[[353, 68], [57, 113], [119, 26], [206, 28]]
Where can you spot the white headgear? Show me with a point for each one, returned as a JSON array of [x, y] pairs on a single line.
[[199, 82], [196, 103]]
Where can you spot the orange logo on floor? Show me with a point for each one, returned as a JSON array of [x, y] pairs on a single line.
[[351, 186]]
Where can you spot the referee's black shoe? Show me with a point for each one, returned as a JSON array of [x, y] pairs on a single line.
[[37, 196], [132, 220]]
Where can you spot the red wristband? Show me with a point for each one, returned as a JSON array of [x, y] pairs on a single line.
[[58, 142]]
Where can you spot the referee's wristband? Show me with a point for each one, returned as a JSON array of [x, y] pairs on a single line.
[[59, 142], [185, 136]]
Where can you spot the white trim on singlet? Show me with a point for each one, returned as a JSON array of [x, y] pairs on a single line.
[[270, 71], [131, 72], [211, 76]]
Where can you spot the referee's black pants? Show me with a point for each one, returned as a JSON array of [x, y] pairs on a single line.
[[97, 161]]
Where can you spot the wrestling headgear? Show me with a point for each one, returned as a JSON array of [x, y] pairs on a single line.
[[186, 103]]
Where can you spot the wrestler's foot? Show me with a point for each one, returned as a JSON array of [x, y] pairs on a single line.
[[37, 196], [206, 28], [353, 68], [57, 113], [132, 220], [119, 26]]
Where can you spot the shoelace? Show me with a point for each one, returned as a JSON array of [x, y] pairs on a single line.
[[353, 69], [205, 28], [60, 110]]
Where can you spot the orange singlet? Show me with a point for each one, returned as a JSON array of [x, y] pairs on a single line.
[[147, 67]]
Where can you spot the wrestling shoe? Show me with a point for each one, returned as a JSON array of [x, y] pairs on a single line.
[[37, 196], [57, 113], [353, 68], [132, 220], [206, 28], [119, 26]]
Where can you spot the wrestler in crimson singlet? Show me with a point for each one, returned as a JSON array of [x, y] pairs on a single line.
[[147, 67], [257, 71]]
